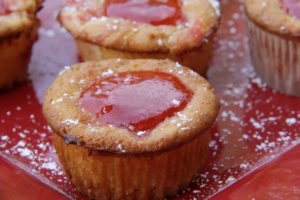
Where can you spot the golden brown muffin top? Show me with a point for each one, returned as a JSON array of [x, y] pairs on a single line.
[[67, 117], [271, 15], [17, 15], [85, 20]]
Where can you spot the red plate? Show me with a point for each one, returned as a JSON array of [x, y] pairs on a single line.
[[254, 127]]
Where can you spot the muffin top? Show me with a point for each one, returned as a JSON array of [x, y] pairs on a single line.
[[130, 106], [17, 15], [170, 26], [278, 16]]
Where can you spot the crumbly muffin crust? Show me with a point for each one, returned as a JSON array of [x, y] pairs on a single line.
[[19, 16], [271, 16], [66, 117], [85, 21], [18, 31]]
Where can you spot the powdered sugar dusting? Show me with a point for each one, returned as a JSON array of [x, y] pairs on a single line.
[[216, 5]]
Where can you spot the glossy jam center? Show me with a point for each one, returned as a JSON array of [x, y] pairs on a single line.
[[155, 12], [292, 7], [137, 101]]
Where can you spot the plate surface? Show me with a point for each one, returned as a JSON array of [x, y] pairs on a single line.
[[256, 133]]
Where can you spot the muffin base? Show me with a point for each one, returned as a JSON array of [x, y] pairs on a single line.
[[196, 59], [123, 176], [276, 58], [15, 52]]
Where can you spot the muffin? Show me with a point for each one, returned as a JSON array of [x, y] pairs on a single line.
[[130, 129], [274, 35], [180, 30], [18, 31]]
